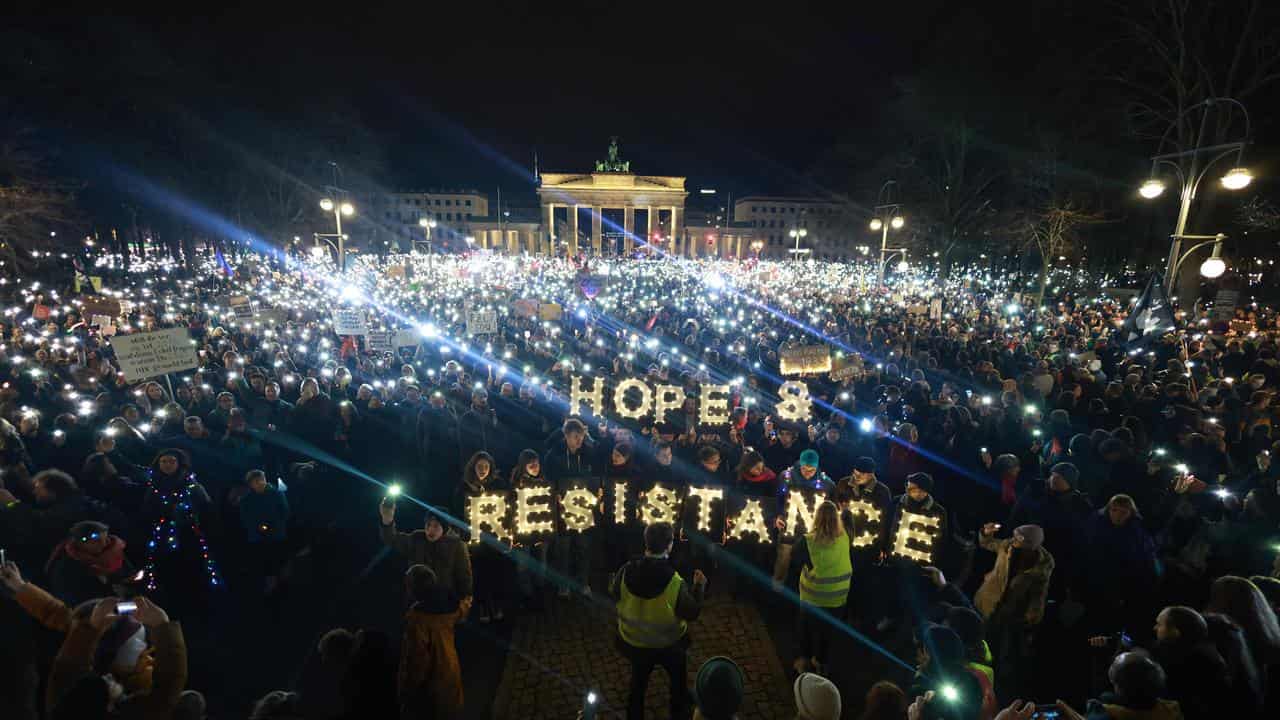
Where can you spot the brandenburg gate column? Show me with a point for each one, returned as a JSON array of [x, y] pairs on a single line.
[[548, 227], [596, 216], [675, 229], [628, 228], [653, 225], [573, 237]]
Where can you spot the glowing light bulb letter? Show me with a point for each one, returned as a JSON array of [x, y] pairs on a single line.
[[713, 408], [592, 396], [659, 505], [866, 518], [751, 522], [620, 394], [620, 502], [703, 497], [531, 501], [794, 402], [576, 509], [914, 538], [801, 511], [667, 397], [487, 512]]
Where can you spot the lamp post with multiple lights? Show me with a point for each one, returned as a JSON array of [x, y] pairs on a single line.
[[887, 215], [1199, 160], [338, 210]]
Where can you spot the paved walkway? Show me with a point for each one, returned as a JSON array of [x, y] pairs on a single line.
[[555, 656]]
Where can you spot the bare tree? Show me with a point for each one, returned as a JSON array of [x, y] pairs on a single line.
[[1052, 230], [1259, 213], [957, 181], [1189, 50]]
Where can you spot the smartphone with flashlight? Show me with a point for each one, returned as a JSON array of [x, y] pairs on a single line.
[[589, 704], [125, 607], [1046, 712]]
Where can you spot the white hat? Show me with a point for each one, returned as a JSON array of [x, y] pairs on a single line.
[[816, 698]]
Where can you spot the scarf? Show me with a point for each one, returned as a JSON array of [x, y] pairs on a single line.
[[104, 564]]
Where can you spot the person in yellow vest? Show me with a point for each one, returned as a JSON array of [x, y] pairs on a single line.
[[825, 570], [655, 606]]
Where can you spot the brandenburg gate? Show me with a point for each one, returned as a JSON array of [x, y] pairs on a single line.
[[612, 187]]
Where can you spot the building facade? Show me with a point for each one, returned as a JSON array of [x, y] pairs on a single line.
[[831, 230], [397, 215]]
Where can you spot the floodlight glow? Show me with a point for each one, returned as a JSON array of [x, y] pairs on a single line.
[[1151, 189]]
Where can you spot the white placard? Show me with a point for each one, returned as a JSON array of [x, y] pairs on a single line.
[[379, 340], [407, 338], [148, 355], [482, 322], [349, 321]]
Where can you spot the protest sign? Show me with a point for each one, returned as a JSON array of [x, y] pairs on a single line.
[[407, 338], [379, 340], [525, 307], [482, 322], [241, 306], [550, 311], [147, 355], [349, 321]]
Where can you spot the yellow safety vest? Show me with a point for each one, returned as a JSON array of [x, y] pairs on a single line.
[[650, 622], [827, 584]]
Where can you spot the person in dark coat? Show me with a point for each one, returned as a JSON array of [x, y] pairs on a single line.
[[1197, 674], [33, 528], [1062, 512], [573, 463], [1120, 566]]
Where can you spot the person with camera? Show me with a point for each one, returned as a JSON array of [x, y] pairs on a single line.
[[444, 553]]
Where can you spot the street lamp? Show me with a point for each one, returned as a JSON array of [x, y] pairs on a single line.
[[338, 210], [1237, 178], [797, 251], [756, 247], [886, 216]]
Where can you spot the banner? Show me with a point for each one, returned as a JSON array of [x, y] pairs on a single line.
[[805, 359], [349, 321], [98, 305], [148, 355]]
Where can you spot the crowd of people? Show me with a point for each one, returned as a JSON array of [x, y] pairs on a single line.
[[1017, 503]]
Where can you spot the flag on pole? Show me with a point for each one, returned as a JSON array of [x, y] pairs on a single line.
[[222, 262], [1151, 317]]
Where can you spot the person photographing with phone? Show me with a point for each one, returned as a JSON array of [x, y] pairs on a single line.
[[655, 606]]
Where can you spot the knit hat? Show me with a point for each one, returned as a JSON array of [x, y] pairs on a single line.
[[1068, 471], [816, 698], [809, 458], [865, 465], [1032, 536], [718, 688], [924, 481]]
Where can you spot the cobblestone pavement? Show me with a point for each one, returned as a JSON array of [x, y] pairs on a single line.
[[558, 654]]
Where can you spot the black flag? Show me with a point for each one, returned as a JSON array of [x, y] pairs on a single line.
[[1151, 317]]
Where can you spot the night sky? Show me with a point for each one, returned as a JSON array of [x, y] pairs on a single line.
[[743, 97]]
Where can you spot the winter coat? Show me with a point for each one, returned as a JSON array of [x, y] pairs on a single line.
[[447, 557], [430, 677], [1019, 598], [1118, 560]]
